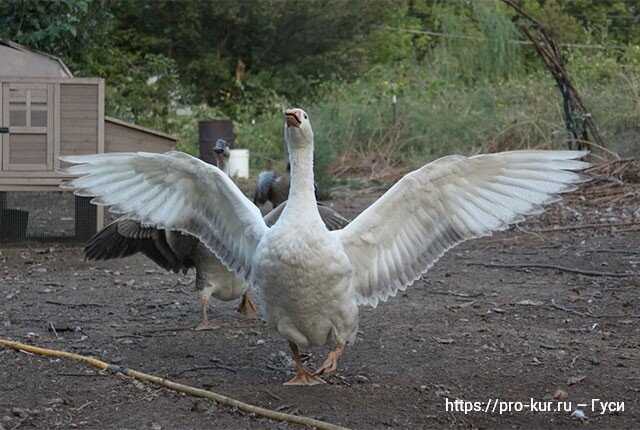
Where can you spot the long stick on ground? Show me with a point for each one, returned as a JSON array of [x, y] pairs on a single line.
[[197, 392], [554, 267]]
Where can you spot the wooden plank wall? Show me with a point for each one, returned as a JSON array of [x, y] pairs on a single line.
[[28, 149], [78, 119]]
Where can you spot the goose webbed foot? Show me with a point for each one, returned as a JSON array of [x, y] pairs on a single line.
[[206, 324], [247, 307], [330, 365], [303, 376]]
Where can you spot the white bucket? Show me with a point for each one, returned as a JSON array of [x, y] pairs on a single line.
[[239, 163]]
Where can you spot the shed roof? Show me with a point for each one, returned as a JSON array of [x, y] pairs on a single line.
[[140, 128], [20, 61]]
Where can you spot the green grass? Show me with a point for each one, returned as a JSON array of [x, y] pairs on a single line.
[[439, 115]]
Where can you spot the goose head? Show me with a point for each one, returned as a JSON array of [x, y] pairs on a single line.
[[297, 128], [221, 151]]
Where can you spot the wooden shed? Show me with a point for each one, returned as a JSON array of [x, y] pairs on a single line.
[[45, 112]]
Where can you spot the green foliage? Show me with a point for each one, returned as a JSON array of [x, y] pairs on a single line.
[[43, 25], [228, 51], [462, 81], [478, 43], [564, 28], [438, 114]]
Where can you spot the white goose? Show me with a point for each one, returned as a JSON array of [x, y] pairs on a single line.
[[310, 280], [177, 252]]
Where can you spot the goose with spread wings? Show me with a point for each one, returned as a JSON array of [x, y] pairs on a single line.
[[175, 251], [311, 281]]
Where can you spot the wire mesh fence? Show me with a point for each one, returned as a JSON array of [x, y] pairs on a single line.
[[45, 216]]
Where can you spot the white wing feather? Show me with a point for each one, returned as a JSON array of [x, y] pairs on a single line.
[[175, 191], [453, 199]]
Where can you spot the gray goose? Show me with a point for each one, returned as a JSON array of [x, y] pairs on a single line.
[[271, 187], [178, 252], [311, 281]]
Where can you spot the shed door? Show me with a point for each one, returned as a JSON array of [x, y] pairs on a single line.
[[28, 112]]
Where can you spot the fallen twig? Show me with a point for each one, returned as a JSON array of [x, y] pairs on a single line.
[[571, 311], [627, 230], [453, 293], [53, 329], [273, 396], [75, 305], [161, 330], [83, 406], [554, 305], [584, 226], [196, 392], [555, 267], [613, 251]]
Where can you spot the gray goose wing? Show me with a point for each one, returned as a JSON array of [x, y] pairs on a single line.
[[125, 237]]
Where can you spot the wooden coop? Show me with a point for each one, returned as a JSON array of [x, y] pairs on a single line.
[[45, 113]]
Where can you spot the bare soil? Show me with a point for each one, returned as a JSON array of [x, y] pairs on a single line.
[[469, 329]]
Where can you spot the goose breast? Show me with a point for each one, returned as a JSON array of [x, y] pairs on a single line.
[[305, 289]]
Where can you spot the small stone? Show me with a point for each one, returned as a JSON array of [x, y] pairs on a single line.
[[199, 406], [20, 412], [575, 379], [361, 379], [579, 413], [156, 426], [260, 342], [560, 395], [131, 282], [529, 303]]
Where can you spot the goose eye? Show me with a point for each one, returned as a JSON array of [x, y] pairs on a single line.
[[305, 116]]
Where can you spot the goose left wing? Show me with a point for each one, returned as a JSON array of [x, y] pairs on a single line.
[[174, 191], [453, 199]]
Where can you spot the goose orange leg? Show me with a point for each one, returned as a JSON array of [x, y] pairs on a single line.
[[205, 324], [331, 363], [247, 307], [303, 376]]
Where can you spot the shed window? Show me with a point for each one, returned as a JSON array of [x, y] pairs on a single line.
[[39, 118], [18, 118], [28, 107]]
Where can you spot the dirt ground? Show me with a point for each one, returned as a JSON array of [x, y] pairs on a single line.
[[469, 329]]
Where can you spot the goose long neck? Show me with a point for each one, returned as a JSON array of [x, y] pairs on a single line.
[[301, 190]]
